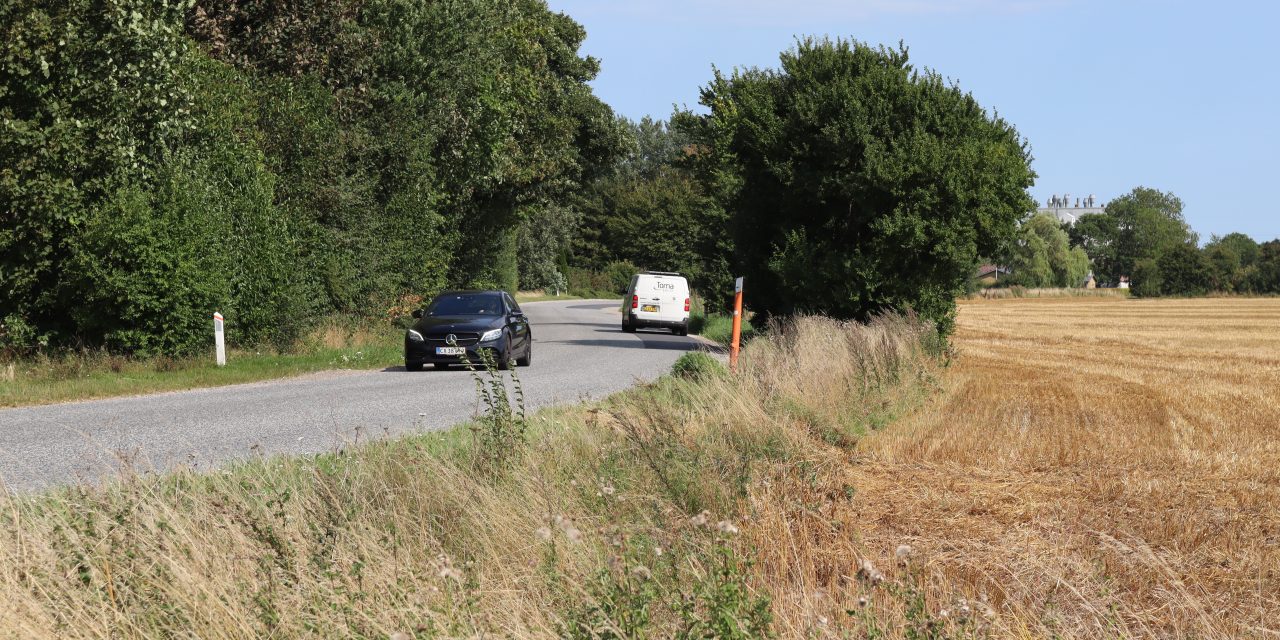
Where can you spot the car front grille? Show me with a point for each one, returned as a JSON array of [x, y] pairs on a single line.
[[464, 339]]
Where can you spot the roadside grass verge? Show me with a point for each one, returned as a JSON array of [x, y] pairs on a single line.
[[542, 296], [335, 344], [701, 505], [716, 326]]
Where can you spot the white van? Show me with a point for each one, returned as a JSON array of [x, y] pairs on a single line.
[[657, 299]]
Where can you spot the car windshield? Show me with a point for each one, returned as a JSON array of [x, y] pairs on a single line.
[[466, 304]]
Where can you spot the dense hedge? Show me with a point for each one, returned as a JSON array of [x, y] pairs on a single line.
[[275, 161]]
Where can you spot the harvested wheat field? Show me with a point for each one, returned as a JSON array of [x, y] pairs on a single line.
[[1094, 468]]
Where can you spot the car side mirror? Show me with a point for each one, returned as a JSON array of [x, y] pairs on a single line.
[[417, 313]]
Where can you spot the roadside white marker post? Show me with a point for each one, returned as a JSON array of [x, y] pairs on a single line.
[[737, 324], [219, 341]]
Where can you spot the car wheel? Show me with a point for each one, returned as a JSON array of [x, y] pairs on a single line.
[[528, 356], [441, 366], [413, 366], [628, 327]]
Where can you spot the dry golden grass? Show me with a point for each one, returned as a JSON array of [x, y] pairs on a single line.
[[1096, 467]]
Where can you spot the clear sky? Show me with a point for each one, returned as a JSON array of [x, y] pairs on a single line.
[[1177, 95]]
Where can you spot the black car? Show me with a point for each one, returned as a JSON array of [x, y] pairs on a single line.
[[470, 323]]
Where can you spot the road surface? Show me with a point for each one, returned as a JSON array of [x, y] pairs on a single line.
[[579, 353]]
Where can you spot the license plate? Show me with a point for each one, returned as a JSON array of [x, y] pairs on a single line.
[[450, 351], [649, 308]]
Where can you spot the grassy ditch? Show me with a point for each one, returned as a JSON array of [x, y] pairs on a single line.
[[701, 505], [716, 326], [335, 344]]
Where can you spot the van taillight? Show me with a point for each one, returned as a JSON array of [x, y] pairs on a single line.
[[686, 304], [635, 301]]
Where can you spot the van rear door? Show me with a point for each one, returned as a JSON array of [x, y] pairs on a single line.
[[649, 295], [661, 297]]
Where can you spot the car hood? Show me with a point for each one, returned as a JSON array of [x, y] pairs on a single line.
[[440, 324]]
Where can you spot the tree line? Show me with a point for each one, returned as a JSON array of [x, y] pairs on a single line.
[[284, 161], [277, 161], [1141, 237]]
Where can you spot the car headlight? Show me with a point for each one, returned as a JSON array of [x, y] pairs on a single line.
[[415, 336], [491, 335]]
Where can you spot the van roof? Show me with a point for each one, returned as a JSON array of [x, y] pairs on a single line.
[[661, 273]]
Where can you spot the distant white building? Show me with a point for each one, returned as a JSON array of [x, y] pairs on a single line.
[[1067, 212]]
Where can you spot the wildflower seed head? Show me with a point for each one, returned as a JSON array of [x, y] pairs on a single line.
[[727, 528], [544, 533], [903, 553], [701, 519], [867, 572], [863, 601]]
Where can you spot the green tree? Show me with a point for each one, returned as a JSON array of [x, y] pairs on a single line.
[[1232, 258], [1097, 235], [1225, 271], [1183, 271], [545, 235], [1042, 255], [1140, 225], [1149, 222], [276, 161], [857, 183], [1242, 245], [653, 211], [90, 102], [1265, 277], [1146, 281]]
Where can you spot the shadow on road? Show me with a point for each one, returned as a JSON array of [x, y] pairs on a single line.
[[661, 345]]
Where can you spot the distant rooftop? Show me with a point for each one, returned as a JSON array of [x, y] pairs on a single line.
[[1068, 211]]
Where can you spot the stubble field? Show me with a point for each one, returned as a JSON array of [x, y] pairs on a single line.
[[1095, 467]]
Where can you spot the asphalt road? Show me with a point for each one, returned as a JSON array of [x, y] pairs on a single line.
[[579, 353]]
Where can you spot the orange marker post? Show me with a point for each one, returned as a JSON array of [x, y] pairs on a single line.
[[737, 325]]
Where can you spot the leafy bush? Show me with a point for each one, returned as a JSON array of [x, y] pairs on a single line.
[[18, 337], [612, 282], [620, 274], [697, 365], [589, 284]]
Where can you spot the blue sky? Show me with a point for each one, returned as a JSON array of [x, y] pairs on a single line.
[[1180, 96]]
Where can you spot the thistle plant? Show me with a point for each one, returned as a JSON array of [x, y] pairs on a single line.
[[499, 433]]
